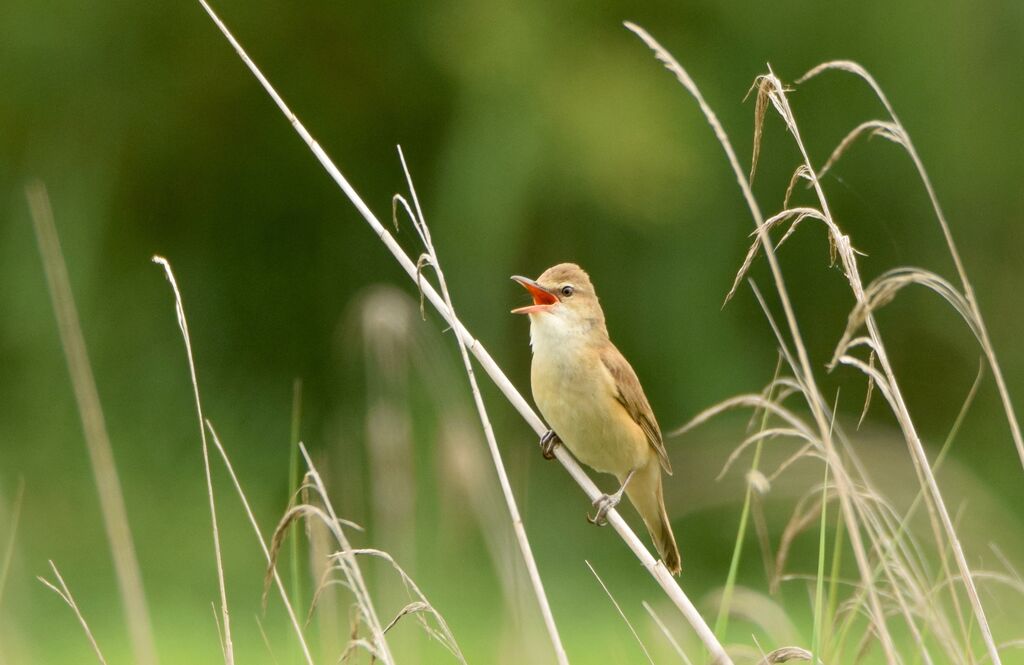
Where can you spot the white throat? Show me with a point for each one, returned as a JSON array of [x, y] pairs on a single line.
[[556, 332]]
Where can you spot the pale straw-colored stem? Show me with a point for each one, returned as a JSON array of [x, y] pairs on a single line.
[[229, 653], [97, 440], [492, 443], [65, 593], [263, 545], [618, 524]]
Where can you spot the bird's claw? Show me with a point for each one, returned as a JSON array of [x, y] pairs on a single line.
[[548, 443], [603, 503]]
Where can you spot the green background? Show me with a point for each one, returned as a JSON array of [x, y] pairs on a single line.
[[536, 132]]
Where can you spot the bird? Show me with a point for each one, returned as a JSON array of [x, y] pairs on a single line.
[[592, 400]]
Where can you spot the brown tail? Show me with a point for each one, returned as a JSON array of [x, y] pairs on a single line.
[[644, 491]]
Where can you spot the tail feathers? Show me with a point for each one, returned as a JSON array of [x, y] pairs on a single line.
[[645, 493], [665, 541]]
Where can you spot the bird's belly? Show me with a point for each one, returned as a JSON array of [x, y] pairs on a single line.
[[578, 404]]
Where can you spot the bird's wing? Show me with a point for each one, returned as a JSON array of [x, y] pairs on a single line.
[[630, 395]]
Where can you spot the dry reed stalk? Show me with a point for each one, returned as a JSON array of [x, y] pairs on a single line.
[[657, 570], [97, 440], [229, 656], [65, 593], [420, 224], [263, 543], [815, 402]]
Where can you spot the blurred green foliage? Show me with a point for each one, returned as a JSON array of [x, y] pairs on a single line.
[[536, 132]]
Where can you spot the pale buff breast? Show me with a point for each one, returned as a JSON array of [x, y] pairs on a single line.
[[576, 395]]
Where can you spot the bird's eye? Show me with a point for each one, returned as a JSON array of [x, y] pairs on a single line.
[[567, 290]]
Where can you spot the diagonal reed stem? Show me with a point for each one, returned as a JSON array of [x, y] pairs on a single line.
[[619, 525]]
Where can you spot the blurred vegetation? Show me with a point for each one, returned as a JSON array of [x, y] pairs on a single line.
[[537, 132]]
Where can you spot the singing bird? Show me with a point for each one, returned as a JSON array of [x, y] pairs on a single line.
[[591, 398]]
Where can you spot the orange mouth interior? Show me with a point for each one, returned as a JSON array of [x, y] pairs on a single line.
[[542, 300]]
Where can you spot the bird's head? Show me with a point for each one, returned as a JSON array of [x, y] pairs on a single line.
[[563, 300]]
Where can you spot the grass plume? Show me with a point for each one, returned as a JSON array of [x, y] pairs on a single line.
[[897, 583]]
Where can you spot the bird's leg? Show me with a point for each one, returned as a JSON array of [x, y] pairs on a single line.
[[548, 443], [606, 502]]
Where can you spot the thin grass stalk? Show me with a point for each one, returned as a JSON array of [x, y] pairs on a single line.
[[220, 635], [288, 606], [229, 652], [325, 599], [65, 593], [667, 633], [804, 371], [293, 485], [492, 444], [622, 614], [920, 497], [266, 640], [657, 570], [902, 413], [833, 584], [722, 620], [819, 585], [947, 233], [97, 440], [5, 567], [887, 545], [864, 510]]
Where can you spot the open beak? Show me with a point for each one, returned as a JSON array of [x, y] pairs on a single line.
[[542, 298]]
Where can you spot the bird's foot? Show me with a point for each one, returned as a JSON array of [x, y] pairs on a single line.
[[604, 503], [548, 443], [607, 502]]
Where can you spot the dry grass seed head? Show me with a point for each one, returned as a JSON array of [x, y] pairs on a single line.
[[442, 633], [784, 655]]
